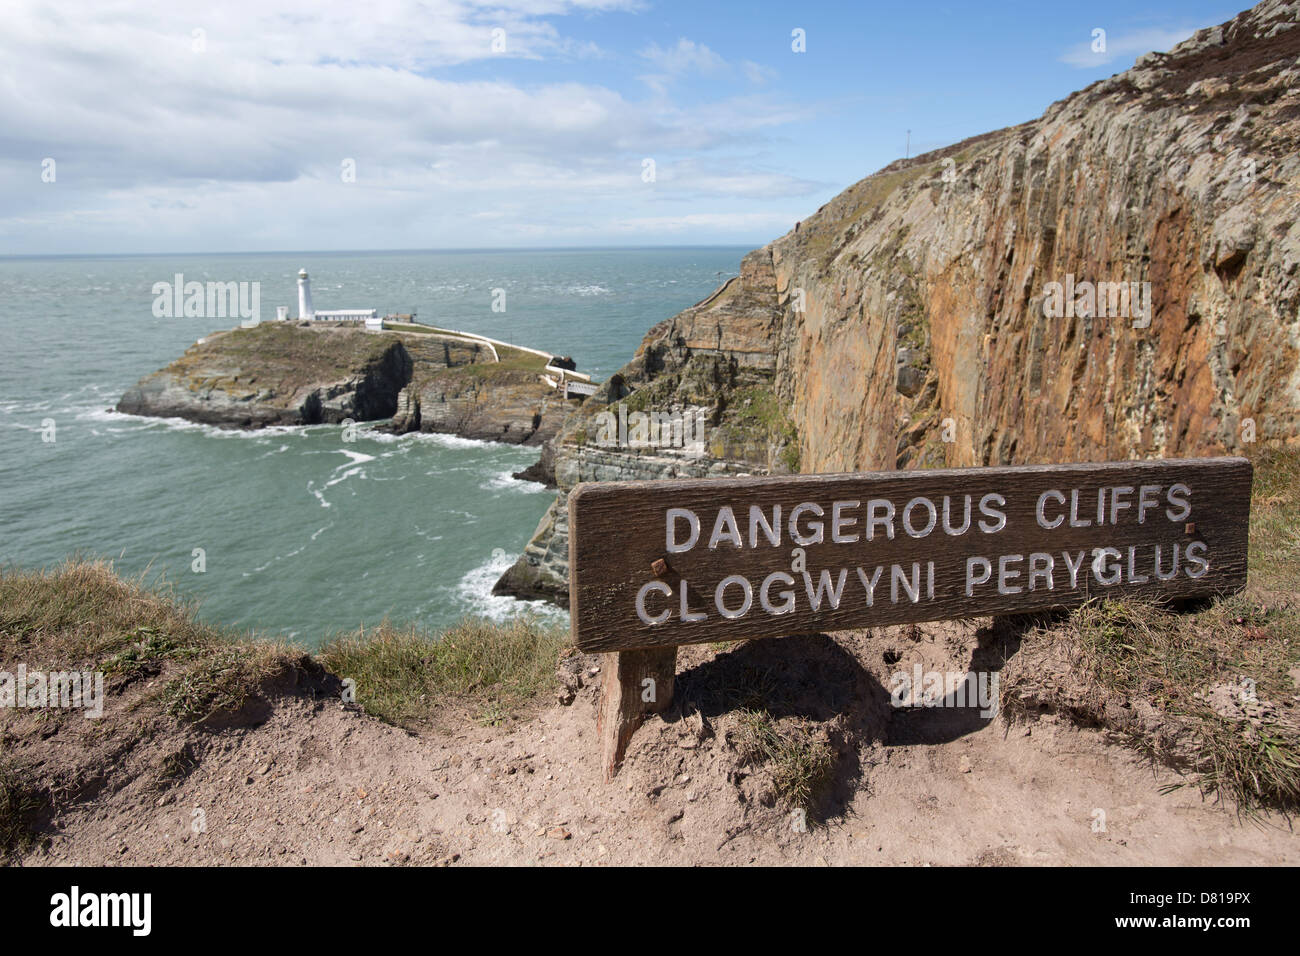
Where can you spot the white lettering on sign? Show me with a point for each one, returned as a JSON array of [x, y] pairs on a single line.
[[787, 596], [734, 596], [674, 515], [806, 523], [1108, 567], [851, 522], [1051, 510]]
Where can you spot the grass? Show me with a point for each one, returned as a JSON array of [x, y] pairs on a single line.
[[222, 681], [793, 750], [758, 405], [825, 233], [1275, 522], [1194, 669], [80, 615], [509, 358], [403, 674], [279, 355], [801, 764], [755, 414]]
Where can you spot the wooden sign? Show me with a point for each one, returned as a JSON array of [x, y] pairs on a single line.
[[664, 563], [657, 564]]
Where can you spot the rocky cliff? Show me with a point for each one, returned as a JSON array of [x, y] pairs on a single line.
[[307, 373], [714, 364], [924, 337], [1116, 279]]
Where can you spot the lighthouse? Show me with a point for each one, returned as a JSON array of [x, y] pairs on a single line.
[[305, 310]]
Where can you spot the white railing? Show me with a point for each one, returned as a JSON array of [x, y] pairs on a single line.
[[509, 345], [568, 373], [564, 373], [466, 337]]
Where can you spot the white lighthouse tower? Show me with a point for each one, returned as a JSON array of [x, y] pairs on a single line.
[[305, 310]]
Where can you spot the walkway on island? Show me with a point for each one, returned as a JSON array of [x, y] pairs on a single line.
[[566, 380]]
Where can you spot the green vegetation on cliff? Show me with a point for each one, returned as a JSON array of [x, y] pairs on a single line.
[[754, 416], [403, 673], [280, 354], [824, 234], [508, 359], [291, 373]]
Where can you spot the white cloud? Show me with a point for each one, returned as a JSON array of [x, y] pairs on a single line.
[[686, 56], [239, 143], [756, 73], [1124, 46]]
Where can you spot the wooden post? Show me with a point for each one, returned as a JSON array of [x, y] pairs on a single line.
[[633, 684]]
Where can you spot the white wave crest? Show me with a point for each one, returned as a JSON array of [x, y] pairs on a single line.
[[475, 591], [506, 481]]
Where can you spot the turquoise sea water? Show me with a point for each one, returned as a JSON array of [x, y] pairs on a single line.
[[303, 535]]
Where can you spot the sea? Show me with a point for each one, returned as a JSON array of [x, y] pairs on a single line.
[[291, 532]]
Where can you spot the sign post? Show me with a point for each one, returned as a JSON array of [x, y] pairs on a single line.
[[657, 564]]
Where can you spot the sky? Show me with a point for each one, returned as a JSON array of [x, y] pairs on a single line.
[[286, 125]]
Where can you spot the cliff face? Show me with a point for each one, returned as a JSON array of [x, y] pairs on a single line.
[[290, 374], [904, 324], [924, 298], [454, 388]]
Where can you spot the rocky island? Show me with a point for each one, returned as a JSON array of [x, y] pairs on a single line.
[[306, 373]]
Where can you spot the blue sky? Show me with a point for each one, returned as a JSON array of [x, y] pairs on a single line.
[[297, 125]]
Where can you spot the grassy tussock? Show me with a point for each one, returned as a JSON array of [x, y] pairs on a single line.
[[403, 674], [81, 615], [81, 612], [801, 764], [1226, 670], [222, 681]]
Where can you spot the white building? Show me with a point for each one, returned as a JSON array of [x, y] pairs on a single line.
[[304, 296], [371, 317], [345, 315]]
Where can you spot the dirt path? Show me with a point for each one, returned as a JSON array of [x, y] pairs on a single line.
[[317, 783]]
